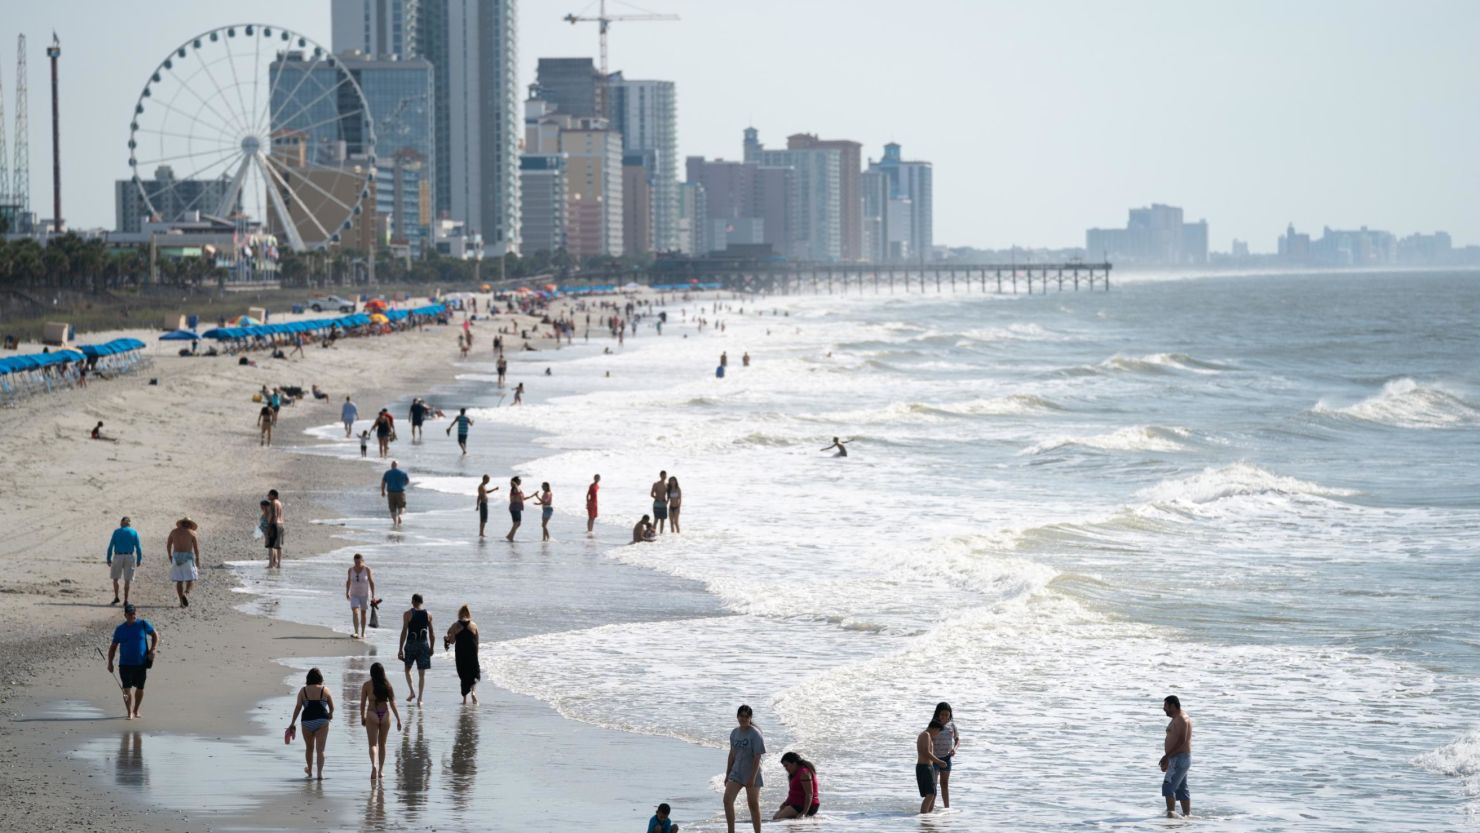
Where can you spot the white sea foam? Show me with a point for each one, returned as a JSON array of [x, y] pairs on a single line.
[[1405, 403], [1152, 363], [1237, 480], [1132, 438]]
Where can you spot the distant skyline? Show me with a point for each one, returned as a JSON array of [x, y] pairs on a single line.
[[1041, 119]]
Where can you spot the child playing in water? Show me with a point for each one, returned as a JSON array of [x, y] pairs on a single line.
[[364, 443]]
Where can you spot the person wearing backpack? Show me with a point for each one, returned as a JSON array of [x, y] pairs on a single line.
[[416, 646]]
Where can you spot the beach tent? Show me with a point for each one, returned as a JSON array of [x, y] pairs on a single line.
[[180, 335]]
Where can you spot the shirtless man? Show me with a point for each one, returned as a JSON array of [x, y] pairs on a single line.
[[642, 531], [659, 494], [839, 445], [925, 764], [276, 530], [1178, 757]]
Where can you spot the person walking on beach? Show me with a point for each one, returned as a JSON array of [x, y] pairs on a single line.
[[348, 413], [925, 765], [134, 644], [276, 530], [945, 749], [462, 422], [364, 443], [675, 502], [415, 646], [182, 548], [591, 492], [516, 507], [743, 768], [546, 501], [518, 394], [125, 546], [659, 493], [384, 425], [359, 588], [483, 493], [264, 425], [839, 445], [1176, 757], [803, 795], [393, 488], [377, 705], [317, 706], [463, 636], [418, 417]]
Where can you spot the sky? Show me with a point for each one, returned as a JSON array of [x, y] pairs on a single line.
[[1041, 118]]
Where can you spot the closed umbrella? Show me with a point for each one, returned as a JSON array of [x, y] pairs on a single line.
[[180, 335]]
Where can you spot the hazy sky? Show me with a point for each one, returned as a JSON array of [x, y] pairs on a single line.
[[1042, 118]]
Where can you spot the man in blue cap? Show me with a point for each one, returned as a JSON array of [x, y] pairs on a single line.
[[130, 554]]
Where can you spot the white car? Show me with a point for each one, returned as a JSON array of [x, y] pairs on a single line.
[[331, 302]]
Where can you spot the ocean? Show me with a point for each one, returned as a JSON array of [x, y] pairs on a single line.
[[1258, 494]]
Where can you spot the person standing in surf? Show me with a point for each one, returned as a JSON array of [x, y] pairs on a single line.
[[839, 445], [591, 492], [675, 502], [1176, 757], [945, 748], [925, 765], [743, 768], [659, 493], [516, 507], [546, 501], [482, 505]]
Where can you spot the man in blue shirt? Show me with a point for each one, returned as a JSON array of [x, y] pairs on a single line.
[[135, 642], [462, 422], [125, 545], [393, 489]]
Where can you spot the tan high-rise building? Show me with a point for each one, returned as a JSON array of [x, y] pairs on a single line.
[[594, 184]]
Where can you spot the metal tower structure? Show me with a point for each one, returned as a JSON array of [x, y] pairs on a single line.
[[54, 52], [4, 163], [21, 186]]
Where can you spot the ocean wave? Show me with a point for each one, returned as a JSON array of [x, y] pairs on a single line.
[[1132, 438], [1236, 480], [1017, 404], [1405, 403], [1152, 363]]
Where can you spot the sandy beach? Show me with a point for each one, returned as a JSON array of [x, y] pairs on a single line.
[[186, 446]]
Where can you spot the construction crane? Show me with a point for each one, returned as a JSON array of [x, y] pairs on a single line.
[[604, 20]]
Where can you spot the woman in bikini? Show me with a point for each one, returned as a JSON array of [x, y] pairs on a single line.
[[377, 705], [317, 706], [545, 500], [675, 503]]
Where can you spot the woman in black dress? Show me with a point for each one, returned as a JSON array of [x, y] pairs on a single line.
[[464, 635]]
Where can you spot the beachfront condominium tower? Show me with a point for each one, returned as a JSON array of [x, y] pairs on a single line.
[[850, 205], [910, 183], [593, 155], [815, 212], [573, 85], [379, 28], [646, 114], [471, 47]]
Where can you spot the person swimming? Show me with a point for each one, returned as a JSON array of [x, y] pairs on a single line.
[[839, 445]]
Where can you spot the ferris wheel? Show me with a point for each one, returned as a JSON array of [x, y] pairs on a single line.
[[259, 125]]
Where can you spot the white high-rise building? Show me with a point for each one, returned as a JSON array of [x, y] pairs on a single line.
[[646, 114], [378, 28]]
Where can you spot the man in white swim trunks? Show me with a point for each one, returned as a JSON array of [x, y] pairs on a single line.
[[359, 588]]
